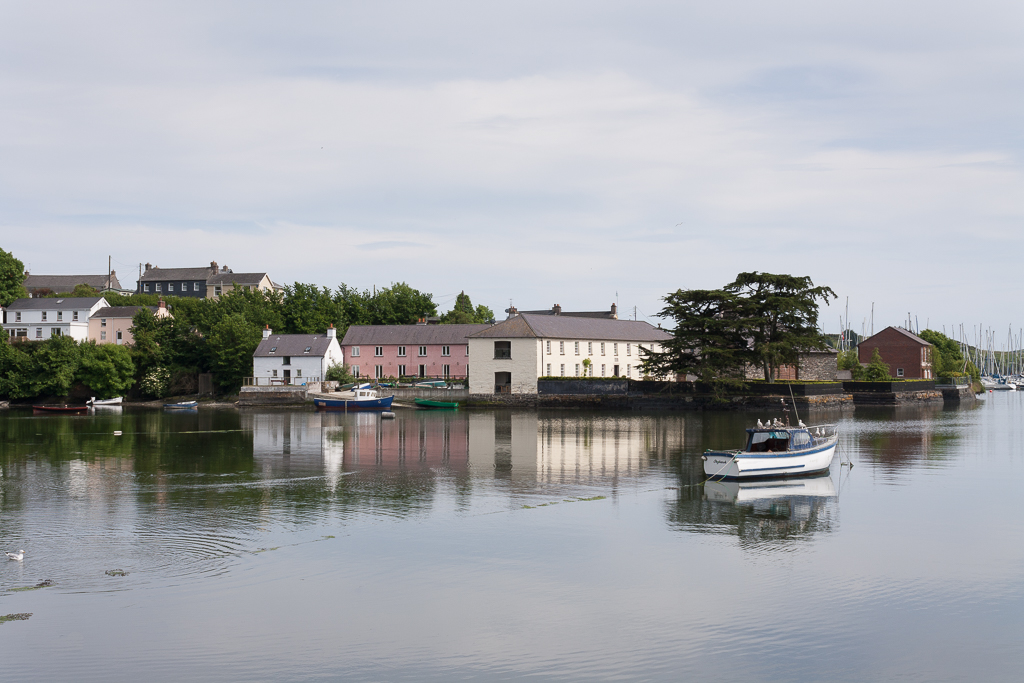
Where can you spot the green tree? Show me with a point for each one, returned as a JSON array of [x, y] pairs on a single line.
[[463, 313], [339, 373], [84, 291], [309, 309], [848, 360], [15, 370], [400, 304], [232, 343], [778, 314], [12, 279], [947, 358], [54, 366], [877, 370], [107, 369]]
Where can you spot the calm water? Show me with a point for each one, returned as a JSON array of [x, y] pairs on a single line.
[[507, 545]]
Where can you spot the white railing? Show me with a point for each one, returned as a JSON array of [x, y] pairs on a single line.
[[278, 381]]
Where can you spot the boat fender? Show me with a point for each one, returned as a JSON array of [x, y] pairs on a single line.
[[704, 458]]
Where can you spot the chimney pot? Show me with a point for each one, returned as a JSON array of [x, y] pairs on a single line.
[[213, 264], [267, 331], [332, 333], [148, 266]]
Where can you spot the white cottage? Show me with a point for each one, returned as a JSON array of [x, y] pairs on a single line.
[[509, 357], [295, 358], [38, 319]]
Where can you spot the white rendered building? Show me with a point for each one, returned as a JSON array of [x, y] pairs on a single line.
[[38, 319], [510, 356], [295, 358]]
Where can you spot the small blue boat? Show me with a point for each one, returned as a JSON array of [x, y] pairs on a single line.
[[184, 405], [360, 398]]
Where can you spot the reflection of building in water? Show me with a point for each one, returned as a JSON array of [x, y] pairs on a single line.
[[760, 513], [519, 445]]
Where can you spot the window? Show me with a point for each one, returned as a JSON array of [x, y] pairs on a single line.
[[355, 370], [74, 316], [577, 348], [467, 349], [549, 347], [39, 333], [158, 287], [602, 353], [120, 336], [298, 373], [17, 317], [378, 351], [21, 332], [577, 369], [60, 316], [170, 286], [615, 349], [401, 370], [628, 349], [195, 286], [561, 348], [273, 373], [103, 335], [548, 373], [308, 349], [103, 322], [44, 316], [216, 290], [184, 286], [145, 287], [401, 350], [502, 349], [445, 370], [899, 372], [629, 369], [273, 349], [602, 368], [423, 350], [561, 370], [378, 371], [591, 369], [590, 348], [286, 360], [446, 350], [355, 351], [54, 331]]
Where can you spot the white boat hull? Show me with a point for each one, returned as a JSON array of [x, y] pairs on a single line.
[[742, 465], [105, 401]]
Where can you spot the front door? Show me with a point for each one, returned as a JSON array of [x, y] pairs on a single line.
[[423, 371], [287, 376], [615, 370]]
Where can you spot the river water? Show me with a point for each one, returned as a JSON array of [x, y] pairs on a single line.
[[507, 545]]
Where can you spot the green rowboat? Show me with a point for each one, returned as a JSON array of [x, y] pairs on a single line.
[[427, 403]]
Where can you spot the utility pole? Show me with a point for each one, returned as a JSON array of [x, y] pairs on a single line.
[[108, 271]]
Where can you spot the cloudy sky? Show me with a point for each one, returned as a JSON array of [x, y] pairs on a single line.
[[543, 152]]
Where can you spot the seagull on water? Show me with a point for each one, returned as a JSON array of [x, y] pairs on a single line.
[[19, 556]]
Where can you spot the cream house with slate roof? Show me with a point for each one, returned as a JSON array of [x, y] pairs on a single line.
[[510, 356], [295, 358]]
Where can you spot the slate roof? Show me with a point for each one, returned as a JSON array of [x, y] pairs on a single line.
[[293, 345], [153, 274], [905, 333], [564, 327], [53, 304], [237, 278], [66, 283], [120, 311], [411, 335]]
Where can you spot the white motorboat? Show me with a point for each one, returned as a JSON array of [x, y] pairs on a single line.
[[776, 450], [104, 401]]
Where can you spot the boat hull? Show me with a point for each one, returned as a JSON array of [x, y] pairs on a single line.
[[427, 403], [743, 465], [353, 404], [59, 409]]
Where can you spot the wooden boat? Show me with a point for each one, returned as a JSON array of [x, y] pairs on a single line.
[[431, 384], [51, 408], [182, 405], [360, 398], [776, 450], [428, 403], [104, 401]]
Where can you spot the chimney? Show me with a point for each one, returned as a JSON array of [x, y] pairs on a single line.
[[615, 311], [162, 304], [224, 269], [512, 311], [421, 321], [267, 331], [149, 266], [213, 264], [557, 309], [332, 333]]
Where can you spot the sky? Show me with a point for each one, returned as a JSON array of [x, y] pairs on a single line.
[[578, 153]]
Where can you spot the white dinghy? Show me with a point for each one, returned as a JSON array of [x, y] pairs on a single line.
[[776, 450]]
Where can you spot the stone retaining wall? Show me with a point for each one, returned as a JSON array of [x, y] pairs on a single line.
[[272, 396]]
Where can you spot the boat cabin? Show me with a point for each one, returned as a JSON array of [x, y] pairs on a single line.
[[778, 440]]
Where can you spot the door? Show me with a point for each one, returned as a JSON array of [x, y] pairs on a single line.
[[503, 382], [615, 371], [287, 376], [423, 371]]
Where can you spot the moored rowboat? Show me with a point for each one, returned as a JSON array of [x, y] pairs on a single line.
[[50, 408], [428, 403]]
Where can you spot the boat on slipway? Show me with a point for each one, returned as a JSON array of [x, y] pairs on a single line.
[[776, 450], [361, 397]]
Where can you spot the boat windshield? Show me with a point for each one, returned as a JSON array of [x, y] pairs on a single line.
[[802, 440], [768, 442]]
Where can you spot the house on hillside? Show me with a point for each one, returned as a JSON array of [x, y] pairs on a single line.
[[205, 282], [41, 285], [420, 350], [907, 355], [226, 280], [611, 314], [113, 324], [509, 357], [295, 358], [38, 319]]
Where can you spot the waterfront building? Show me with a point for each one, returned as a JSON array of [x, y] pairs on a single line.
[[292, 359], [420, 350], [199, 283], [38, 319], [41, 285], [907, 355], [509, 357], [113, 324]]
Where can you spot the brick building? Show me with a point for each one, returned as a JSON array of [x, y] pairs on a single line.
[[907, 355]]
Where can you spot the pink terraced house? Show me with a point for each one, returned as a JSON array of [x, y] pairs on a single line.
[[435, 351]]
